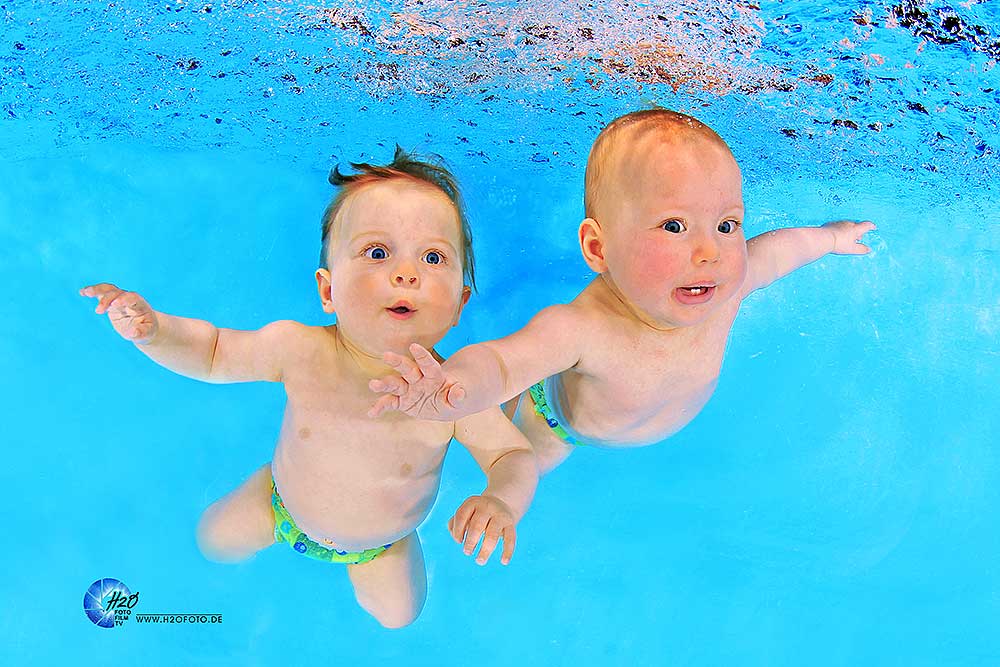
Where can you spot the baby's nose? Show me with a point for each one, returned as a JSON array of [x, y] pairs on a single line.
[[706, 252], [404, 277]]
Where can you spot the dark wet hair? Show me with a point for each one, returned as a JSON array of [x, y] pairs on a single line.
[[430, 170]]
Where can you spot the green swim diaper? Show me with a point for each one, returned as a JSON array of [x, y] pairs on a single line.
[[286, 531]]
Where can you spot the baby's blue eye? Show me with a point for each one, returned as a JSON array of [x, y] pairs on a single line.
[[728, 226], [673, 226], [376, 252], [433, 257]]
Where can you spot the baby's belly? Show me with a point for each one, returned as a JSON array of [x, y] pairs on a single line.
[[351, 502], [636, 420]]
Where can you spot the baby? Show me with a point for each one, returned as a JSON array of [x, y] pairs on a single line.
[[344, 488], [636, 355]]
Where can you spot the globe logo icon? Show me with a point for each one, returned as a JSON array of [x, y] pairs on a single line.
[[97, 595]]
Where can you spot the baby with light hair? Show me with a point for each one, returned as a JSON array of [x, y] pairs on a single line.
[[637, 354]]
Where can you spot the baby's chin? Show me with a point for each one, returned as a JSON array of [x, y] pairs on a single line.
[[668, 321], [399, 342], [673, 315]]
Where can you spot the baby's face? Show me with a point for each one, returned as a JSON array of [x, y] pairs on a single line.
[[674, 243], [396, 266]]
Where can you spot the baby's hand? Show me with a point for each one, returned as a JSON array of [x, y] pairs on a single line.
[[129, 313], [847, 236], [489, 515], [420, 390]]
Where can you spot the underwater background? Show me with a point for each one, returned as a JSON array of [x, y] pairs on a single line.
[[837, 501]]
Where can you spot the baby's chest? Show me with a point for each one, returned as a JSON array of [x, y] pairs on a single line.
[[678, 382], [356, 452], [333, 424], [664, 368]]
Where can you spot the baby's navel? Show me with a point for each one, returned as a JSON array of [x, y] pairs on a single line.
[[304, 433], [405, 470]]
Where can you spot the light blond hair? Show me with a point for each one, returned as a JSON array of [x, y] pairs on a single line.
[[604, 154]]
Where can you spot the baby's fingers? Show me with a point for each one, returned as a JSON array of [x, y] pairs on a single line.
[[383, 404], [391, 384], [490, 542], [863, 228], [404, 366], [140, 332], [109, 301], [476, 528], [455, 395], [429, 366], [105, 293], [457, 524], [98, 289], [509, 542]]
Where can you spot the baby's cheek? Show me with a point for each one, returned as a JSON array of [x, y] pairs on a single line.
[[445, 292], [353, 287], [736, 260], [655, 265]]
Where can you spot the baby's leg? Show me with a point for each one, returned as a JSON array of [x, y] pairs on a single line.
[[550, 450], [393, 587], [241, 523], [510, 407]]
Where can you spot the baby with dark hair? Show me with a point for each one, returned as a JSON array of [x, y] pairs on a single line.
[[637, 354], [344, 488]]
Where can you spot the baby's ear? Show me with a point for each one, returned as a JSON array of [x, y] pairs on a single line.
[[466, 293], [325, 287], [592, 245]]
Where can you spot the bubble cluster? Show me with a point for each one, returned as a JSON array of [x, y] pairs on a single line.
[[794, 85], [442, 46]]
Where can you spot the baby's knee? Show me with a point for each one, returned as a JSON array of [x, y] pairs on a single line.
[[207, 537], [215, 542], [394, 613], [550, 458], [394, 619]]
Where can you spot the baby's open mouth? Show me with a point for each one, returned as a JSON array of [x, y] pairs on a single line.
[[401, 310], [695, 294]]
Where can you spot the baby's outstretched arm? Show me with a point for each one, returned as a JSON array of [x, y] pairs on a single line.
[[189, 347], [778, 253], [482, 375], [505, 456]]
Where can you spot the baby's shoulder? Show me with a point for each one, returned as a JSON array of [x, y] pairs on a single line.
[[288, 331], [307, 352], [565, 314], [588, 317], [297, 339], [562, 321]]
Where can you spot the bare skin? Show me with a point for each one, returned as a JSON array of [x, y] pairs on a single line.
[[351, 482], [637, 354]]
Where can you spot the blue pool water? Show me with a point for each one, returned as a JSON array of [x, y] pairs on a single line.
[[837, 501]]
